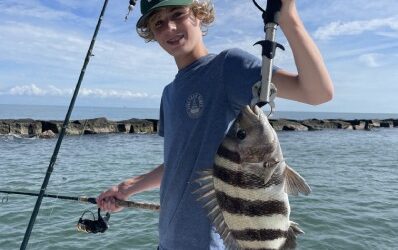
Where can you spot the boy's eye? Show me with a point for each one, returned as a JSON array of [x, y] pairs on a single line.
[[158, 24], [177, 14]]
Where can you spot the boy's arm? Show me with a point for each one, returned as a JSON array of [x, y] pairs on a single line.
[[138, 184], [312, 84]]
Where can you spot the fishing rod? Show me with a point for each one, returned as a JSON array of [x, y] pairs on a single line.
[[271, 21], [95, 225], [132, 4], [84, 199], [61, 134]]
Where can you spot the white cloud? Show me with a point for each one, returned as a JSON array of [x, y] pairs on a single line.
[[34, 90], [108, 93], [371, 60], [29, 90], [338, 28]]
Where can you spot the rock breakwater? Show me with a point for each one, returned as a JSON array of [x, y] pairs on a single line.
[[49, 129]]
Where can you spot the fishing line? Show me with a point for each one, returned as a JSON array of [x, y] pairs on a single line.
[[258, 6]]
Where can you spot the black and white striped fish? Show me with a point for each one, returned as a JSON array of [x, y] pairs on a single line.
[[246, 192]]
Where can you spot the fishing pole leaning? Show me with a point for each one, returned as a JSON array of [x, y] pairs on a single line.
[[61, 134]]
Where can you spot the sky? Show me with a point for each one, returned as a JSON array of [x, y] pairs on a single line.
[[43, 44]]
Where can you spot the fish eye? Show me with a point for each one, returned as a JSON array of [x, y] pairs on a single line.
[[241, 134]]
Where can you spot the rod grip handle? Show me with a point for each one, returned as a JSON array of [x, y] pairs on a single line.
[[271, 14]]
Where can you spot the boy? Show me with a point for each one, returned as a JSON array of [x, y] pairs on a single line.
[[206, 95]]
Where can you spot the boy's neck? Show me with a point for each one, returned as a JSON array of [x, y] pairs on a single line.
[[187, 59]]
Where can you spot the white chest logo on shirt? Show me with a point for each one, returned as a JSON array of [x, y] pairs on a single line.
[[194, 105]]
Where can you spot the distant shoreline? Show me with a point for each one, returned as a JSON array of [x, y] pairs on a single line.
[[50, 128]]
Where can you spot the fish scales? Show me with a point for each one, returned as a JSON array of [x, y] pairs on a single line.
[[246, 191]]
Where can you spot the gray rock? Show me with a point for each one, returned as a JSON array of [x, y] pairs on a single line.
[[155, 125], [358, 124], [387, 124], [54, 126], [341, 124], [138, 126], [4, 128], [75, 128], [27, 127], [121, 127], [48, 134], [95, 126], [370, 124], [315, 124], [287, 125]]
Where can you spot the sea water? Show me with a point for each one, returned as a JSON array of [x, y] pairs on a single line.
[[353, 176]]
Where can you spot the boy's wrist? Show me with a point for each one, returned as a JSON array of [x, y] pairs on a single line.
[[290, 22], [126, 187]]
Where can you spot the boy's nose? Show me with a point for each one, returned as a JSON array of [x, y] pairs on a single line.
[[171, 25]]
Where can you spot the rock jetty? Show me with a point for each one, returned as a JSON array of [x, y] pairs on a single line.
[[50, 129]]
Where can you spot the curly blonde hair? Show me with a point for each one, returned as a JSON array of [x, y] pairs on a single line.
[[201, 9]]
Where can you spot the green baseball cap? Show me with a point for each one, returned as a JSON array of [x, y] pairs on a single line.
[[148, 6]]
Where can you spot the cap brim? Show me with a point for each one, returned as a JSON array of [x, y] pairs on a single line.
[[143, 19]]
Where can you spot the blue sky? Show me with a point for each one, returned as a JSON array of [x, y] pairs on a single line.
[[43, 44]]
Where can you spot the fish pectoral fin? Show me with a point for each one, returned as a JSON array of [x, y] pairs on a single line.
[[270, 168], [295, 184]]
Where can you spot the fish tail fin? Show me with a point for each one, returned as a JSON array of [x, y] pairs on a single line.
[[295, 184], [292, 233]]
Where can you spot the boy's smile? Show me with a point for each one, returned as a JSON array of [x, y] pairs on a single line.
[[176, 39]]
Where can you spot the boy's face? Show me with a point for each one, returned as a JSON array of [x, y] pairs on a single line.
[[176, 30]]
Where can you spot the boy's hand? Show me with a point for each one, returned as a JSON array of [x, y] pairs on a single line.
[[107, 200]]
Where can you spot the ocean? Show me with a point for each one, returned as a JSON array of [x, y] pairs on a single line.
[[122, 113], [353, 176]]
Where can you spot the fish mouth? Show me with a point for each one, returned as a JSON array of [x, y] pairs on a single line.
[[252, 112]]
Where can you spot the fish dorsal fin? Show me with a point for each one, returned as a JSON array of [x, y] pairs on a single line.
[[206, 194], [295, 184]]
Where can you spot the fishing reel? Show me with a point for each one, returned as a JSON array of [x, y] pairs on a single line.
[[94, 226]]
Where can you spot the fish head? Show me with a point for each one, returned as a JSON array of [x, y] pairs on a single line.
[[254, 137]]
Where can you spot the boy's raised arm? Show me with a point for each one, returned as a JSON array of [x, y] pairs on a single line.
[[312, 84]]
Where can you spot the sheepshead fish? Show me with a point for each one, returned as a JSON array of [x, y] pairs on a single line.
[[246, 191]]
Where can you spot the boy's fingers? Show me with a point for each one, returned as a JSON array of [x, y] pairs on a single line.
[[110, 204]]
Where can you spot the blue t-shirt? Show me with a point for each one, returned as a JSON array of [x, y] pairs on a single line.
[[196, 109]]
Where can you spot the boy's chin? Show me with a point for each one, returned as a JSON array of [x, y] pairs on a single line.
[[178, 52]]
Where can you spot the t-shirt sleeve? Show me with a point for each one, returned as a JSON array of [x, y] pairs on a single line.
[[161, 118], [241, 71]]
